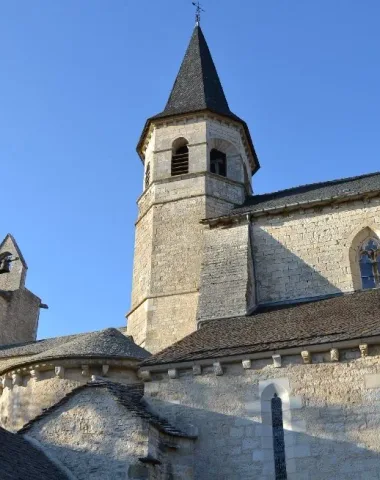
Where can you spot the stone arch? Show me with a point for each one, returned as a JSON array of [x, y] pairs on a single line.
[[180, 157], [354, 252], [235, 164], [178, 143]]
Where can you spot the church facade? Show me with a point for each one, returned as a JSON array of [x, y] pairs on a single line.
[[252, 348]]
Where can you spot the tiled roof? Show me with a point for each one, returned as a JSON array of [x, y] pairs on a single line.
[[130, 396], [344, 317], [109, 343], [20, 460], [314, 192]]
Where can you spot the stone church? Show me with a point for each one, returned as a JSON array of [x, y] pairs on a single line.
[[252, 347]]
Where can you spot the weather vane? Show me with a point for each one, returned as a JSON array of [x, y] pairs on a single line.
[[198, 11]]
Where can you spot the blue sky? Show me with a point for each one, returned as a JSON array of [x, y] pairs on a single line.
[[80, 77]]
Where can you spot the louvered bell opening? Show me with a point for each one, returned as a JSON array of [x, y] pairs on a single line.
[[180, 161]]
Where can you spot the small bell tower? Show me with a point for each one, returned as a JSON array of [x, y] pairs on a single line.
[[19, 308], [198, 161]]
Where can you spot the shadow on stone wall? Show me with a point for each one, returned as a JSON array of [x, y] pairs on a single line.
[[281, 275], [232, 447]]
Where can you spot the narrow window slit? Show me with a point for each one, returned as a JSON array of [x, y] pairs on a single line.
[[278, 438]]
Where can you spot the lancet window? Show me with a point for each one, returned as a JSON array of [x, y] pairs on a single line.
[[369, 262], [218, 162], [278, 438]]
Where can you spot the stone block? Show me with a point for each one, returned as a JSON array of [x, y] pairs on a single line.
[[372, 380], [257, 455], [363, 350], [280, 382], [16, 379], [197, 370], [334, 355], [306, 356], [247, 364], [218, 369], [59, 372], [173, 373], [249, 444], [145, 375], [295, 403], [237, 432]]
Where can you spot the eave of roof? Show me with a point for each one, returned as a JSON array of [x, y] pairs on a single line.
[[338, 319]]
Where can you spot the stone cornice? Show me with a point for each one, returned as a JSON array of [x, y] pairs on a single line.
[[247, 359]]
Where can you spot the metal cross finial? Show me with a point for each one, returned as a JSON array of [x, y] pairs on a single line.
[[198, 10]]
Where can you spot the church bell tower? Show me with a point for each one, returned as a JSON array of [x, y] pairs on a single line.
[[198, 161]]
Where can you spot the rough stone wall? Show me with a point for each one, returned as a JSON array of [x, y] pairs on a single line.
[[169, 236], [22, 402], [331, 413], [307, 253], [21, 319], [94, 437], [225, 275]]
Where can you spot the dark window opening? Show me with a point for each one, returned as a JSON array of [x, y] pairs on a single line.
[[147, 176], [218, 162], [180, 161], [278, 439], [370, 264]]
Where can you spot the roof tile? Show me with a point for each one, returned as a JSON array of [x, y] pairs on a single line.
[[344, 317]]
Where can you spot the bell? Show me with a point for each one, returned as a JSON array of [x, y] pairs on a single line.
[[5, 262]]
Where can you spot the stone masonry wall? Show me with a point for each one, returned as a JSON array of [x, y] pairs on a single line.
[[331, 414], [94, 437], [225, 269], [169, 236], [307, 253], [23, 400]]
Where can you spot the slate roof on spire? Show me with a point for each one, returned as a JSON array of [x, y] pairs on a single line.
[[197, 86]]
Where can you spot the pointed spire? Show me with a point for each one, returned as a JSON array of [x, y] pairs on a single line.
[[197, 86]]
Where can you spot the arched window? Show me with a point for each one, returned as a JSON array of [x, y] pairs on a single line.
[[278, 438], [218, 162], [369, 263], [147, 176], [180, 160]]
